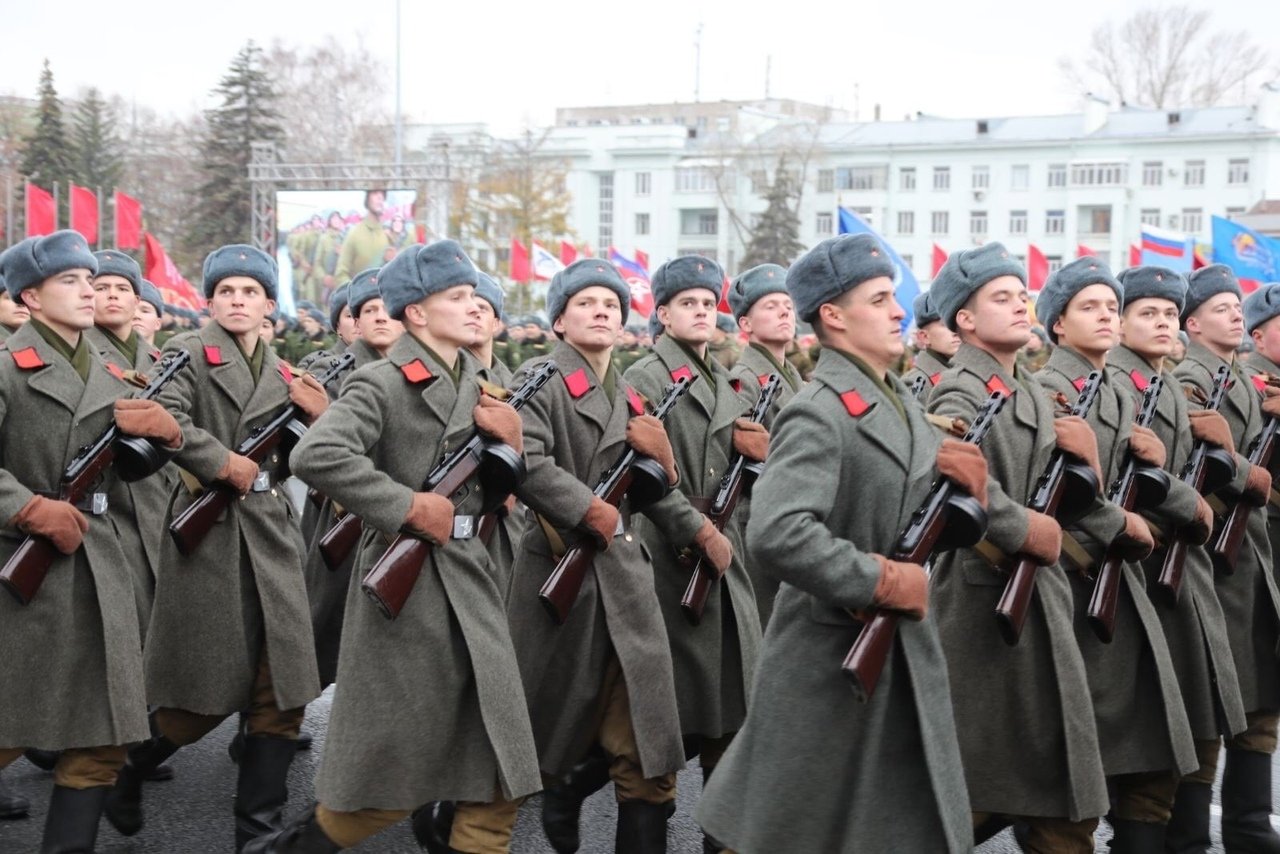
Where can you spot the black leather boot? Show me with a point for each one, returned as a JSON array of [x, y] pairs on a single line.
[[432, 825], [263, 786], [1136, 837], [302, 836], [72, 824], [11, 805], [562, 803], [1188, 828], [124, 801], [42, 759], [642, 828], [1246, 804], [710, 845]]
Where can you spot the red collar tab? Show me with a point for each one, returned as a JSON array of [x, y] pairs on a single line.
[[155, 354], [1140, 381], [854, 404], [763, 379], [285, 372], [115, 370], [416, 372], [735, 384], [1259, 381], [27, 359], [681, 373], [635, 403], [577, 383], [997, 384], [213, 355], [1079, 382], [933, 378]]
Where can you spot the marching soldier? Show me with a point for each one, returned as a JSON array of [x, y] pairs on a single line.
[[230, 628], [935, 345], [427, 707], [73, 655], [366, 241], [715, 660], [149, 316], [1194, 626], [325, 255], [1023, 713], [1143, 732], [12, 313], [1215, 322], [852, 439], [722, 347]]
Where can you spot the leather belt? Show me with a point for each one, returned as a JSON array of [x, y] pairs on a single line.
[[265, 481], [95, 503], [700, 503]]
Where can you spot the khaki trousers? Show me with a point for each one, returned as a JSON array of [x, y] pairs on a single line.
[[1052, 835], [265, 717], [79, 767]]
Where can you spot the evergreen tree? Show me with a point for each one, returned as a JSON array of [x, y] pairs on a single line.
[[48, 153], [223, 207], [776, 237], [98, 159]]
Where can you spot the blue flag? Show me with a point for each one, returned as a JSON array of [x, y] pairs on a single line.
[[906, 288], [1250, 255]]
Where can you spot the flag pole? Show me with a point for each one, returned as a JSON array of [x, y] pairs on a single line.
[[97, 203], [115, 219]]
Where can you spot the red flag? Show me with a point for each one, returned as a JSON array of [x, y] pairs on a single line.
[[163, 273], [1198, 261], [42, 213], [1082, 251], [723, 307], [568, 253], [939, 258], [587, 251], [642, 258], [1135, 255], [520, 270], [84, 212], [1037, 268], [128, 222]]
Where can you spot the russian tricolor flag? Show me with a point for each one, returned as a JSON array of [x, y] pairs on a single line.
[[1164, 248]]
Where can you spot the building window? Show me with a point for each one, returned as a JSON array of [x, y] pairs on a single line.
[[644, 183], [1055, 262], [1192, 220], [695, 180], [604, 236], [1020, 177], [1153, 173], [1057, 175], [759, 181], [1238, 171], [1098, 174], [907, 178], [1194, 176], [862, 178], [977, 222], [864, 213], [906, 222], [908, 261], [699, 221], [1149, 216], [1094, 219], [642, 224], [939, 222], [823, 225], [942, 177], [1055, 222], [826, 180], [704, 251], [1017, 222], [1232, 213], [980, 177]]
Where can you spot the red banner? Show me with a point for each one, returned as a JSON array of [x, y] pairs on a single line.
[[163, 273], [642, 258], [520, 270], [939, 258], [1037, 268], [84, 213], [568, 253], [1135, 255], [129, 223], [42, 213], [1083, 251]]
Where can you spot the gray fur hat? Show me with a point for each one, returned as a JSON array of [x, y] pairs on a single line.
[[150, 293], [1153, 282], [240, 259], [685, 273], [420, 271], [31, 261], [487, 289], [338, 300], [1261, 305], [923, 312], [362, 288], [965, 272], [112, 262], [750, 286], [1209, 282], [584, 273], [1066, 282], [835, 265]]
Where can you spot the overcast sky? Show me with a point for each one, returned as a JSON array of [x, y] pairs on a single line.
[[510, 64]]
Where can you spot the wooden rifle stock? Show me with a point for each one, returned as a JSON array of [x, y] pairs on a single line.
[[390, 581], [1226, 548], [193, 524], [1015, 601], [739, 477], [560, 590], [1106, 589], [337, 542], [26, 568], [916, 544]]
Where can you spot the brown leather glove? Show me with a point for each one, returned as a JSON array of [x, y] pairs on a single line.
[[1044, 538], [750, 439], [57, 521], [1146, 446], [1197, 531], [903, 587], [646, 434], [962, 463], [239, 472], [430, 516], [1271, 400], [1075, 436], [308, 395], [1135, 541], [601, 521], [147, 418], [508, 507], [498, 420], [715, 546], [1209, 426], [1257, 486]]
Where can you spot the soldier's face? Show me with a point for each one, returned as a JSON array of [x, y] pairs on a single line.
[[996, 316], [1219, 322], [376, 326], [489, 322], [114, 302], [450, 316], [1149, 327], [591, 320], [310, 325], [268, 332], [12, 314], [1090, 322], [375, 202], [690, 316], [868, 321], [63, 302], [938, 338], [146, 321], [772, 320], [346, 330], [1266, 338], [239, 305]]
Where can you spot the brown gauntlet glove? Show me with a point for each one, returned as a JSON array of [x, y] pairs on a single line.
[[238, 472], [1075, 437], [149, 419], [57, 521], [430, 516], [1257, 486], [1271, 401], [750, 439], [715, 546], [307, 394], [646, 434], [962, 463], [1209, 426], [1197, 531], [1134, 542], [600, 521], [903, 587], [1146, 446], [1044, 538], [498, 420]]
